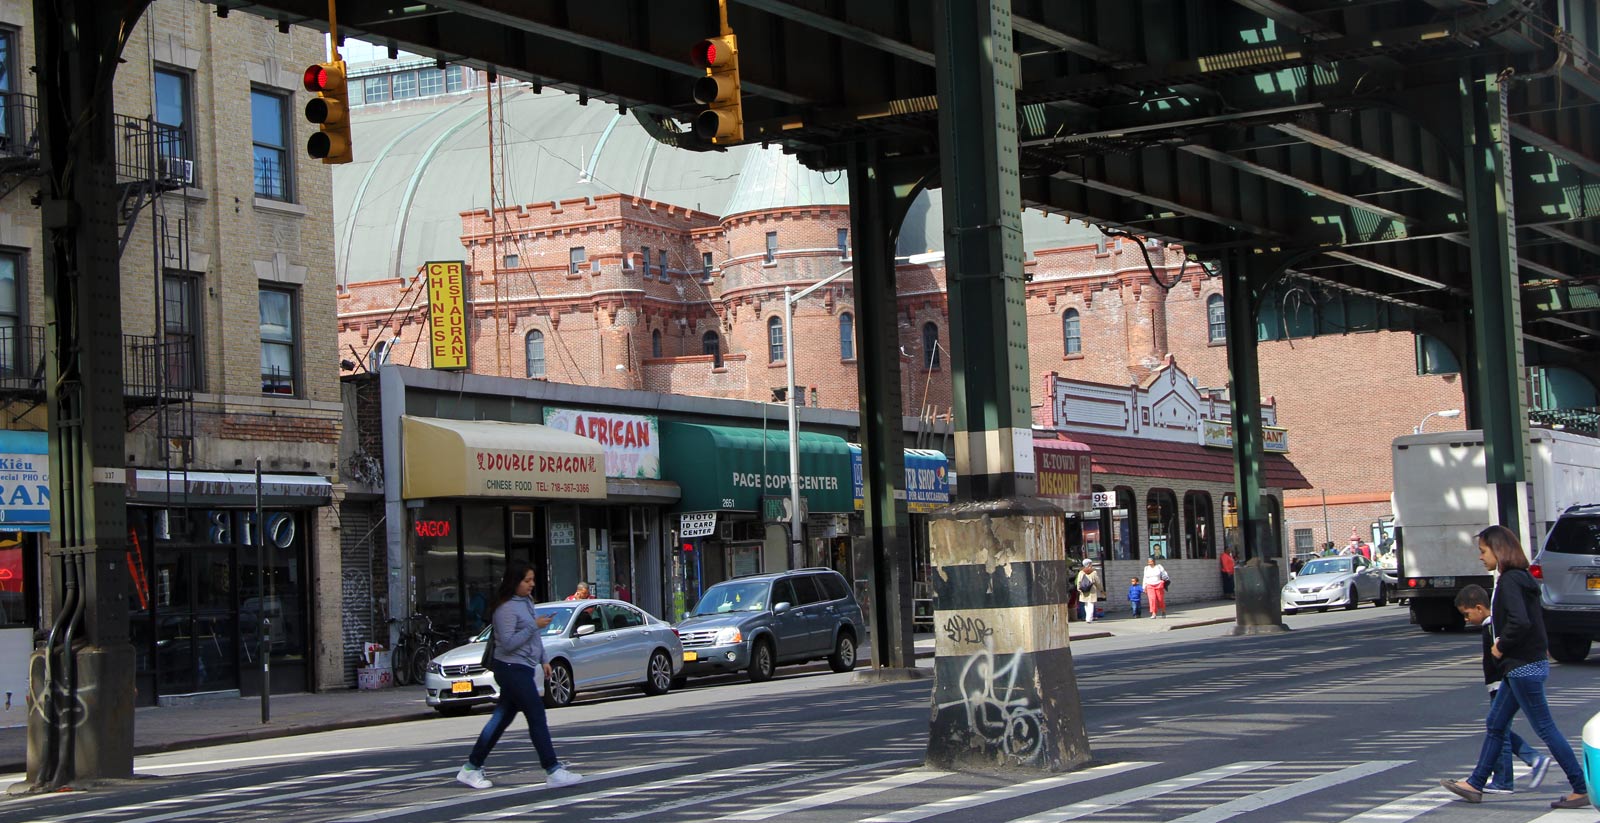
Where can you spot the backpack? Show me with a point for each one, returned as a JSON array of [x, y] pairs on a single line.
[[1085, 583]]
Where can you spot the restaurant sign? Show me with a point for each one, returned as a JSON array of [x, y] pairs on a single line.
[[1219, 434], [632, 442], [447, 315]]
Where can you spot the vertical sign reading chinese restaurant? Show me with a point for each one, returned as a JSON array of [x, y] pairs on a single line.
[[447, 315]]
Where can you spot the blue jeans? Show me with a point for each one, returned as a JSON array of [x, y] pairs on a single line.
[[518, 693], [1501, 777], [1527, 694]]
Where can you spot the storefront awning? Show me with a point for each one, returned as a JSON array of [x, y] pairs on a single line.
[[642, 491], [927, 481], [228, 488], [722, 468], [485, 458]]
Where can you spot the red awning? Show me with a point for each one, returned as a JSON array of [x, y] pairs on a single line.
[[1138, 457]]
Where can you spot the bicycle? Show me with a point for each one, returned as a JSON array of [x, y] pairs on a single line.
[[416, 649]]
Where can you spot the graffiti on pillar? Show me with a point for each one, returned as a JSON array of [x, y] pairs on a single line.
[[967, 630], [998, 711]]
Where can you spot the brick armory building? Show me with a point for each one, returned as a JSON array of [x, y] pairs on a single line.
[[606, 259]]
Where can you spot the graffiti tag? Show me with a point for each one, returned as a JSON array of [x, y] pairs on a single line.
[[997, 710], [967, 630]]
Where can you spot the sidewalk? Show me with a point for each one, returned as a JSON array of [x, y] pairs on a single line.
[[218, 722]]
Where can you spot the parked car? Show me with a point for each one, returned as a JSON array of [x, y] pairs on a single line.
[[1568, 569], [591, 644], [1325, 582], [754, 624]]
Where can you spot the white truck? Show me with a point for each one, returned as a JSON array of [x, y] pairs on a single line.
[[1441, 501]]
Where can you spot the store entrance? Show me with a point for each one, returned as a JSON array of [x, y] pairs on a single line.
[[196, 631]]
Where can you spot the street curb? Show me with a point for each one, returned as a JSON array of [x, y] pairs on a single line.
[[1198, 623], [1093, 636]]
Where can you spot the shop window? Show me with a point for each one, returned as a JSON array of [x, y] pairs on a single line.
[[19, 585], [1198, 530], [655, 343], [535, 345], [930, 346], [712, 345], [1071, 336], [1122, 526], [774, 340], [1216, 319], [1274, 513], [1231, 539], [1161, 518], [847, 337]]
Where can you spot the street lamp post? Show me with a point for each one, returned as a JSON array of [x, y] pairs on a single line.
[[796, 544], [1446, 413]]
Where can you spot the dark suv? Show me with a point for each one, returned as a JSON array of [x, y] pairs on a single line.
[[759, 622]]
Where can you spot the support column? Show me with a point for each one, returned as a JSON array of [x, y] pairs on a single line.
[[83, 681], [880, 194], [1258, 578], [1005, 694], [1498, 384]]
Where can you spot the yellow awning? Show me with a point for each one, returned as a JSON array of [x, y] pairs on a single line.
[[482, 458]]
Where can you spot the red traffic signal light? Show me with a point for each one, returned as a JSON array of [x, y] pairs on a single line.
[[722, 121], [329, 111], [714, 52]]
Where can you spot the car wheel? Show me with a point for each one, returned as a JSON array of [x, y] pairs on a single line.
[[1351, 603], [761, 662], [453, 711], [558, 690], [1569, 648], [843, 658], [658, 675], [1383, 596]]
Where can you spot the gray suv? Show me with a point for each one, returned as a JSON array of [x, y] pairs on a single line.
[[757, 623], [1568, 569]]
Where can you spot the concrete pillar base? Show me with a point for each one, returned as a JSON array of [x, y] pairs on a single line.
[[102, 743], [1259, 605], [890, 675], [1241, 630], [1005, 695]]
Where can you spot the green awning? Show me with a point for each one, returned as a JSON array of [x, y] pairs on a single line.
[[722, 468]]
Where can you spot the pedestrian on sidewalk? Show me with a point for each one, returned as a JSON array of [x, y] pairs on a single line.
[[1227, 574], [1473, 603], [1155, 587], [520, 669], [1090, 589], [1519, 648], [1135, 594]]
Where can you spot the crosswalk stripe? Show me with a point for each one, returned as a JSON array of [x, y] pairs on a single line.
[[569, 800], [1084, 808], [1406, 808], [705, 800], [1278, 794], [480, 796], [893, 781], [967, 801], [1566, 816], [211, 795]]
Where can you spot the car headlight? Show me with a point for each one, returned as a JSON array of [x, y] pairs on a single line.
[[728, 635], [435, 668]]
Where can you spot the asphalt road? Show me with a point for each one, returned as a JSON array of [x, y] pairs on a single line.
[[1352, 717]]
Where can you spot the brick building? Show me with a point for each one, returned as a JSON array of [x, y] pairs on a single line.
[[226, 303]]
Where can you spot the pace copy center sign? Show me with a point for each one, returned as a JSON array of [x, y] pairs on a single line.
[[632, 442]]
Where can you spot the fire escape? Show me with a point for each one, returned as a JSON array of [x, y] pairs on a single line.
[[21, 345]]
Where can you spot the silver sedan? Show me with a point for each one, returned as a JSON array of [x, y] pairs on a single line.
[[1325, 582], [591, 644]]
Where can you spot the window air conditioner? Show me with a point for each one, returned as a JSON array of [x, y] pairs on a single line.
[[178, 169]]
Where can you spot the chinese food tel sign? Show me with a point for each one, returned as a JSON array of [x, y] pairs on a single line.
[[632, 443], [447, 315]]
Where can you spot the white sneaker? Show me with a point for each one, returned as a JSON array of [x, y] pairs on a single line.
[[562, 777], [469, 776]]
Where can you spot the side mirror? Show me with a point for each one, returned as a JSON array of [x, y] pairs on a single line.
[[585, 629], [780, 608]]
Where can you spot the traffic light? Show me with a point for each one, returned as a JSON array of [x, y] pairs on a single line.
[[723, 119], [330, 112]]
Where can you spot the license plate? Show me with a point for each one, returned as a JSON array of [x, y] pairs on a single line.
[[1444, 582], [1594, 582], [690, 657], [461, 687]]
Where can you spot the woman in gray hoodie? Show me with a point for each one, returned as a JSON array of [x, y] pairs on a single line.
[[519, 669]]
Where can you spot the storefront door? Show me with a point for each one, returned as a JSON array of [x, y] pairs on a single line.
[[196, 637]]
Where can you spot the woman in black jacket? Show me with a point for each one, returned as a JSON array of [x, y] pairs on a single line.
[[1517, 621]]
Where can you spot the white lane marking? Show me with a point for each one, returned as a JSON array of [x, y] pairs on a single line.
[[893, 781], [1348, 685], [1566, 816], [479, 796], [967, 801], [571, 800], [1084, 808], [652, 736], [1278, 794], [233, 791], [706, 800], [159, 767], [1406, 808], [859, 729]]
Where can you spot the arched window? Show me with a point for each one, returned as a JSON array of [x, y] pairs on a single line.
[[655, 343], [535, 353], [1232, 538], [1161, 518], [1071, 337], [1123, 529], [774, 340], [930, 346], [711, 345], [1216, 319], [1198, 530], [847, 336], [1274, 507]]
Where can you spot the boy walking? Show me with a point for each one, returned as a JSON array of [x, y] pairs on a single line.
[[1135, 594], [1473, 603]]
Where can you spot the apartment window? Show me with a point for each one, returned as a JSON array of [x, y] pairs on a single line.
[[575, 257], [13, 347], [535, 343], [269, 131], [772, 246], [712, 345], [454, 79], [180, 302], [663, 272], [376, 88], [847, 337], [774, 340], [844, 244], [1304, 541], [430, 82], [280, 343], [1071, 336], [405, 85], [510, 261], [644, 261], [706, 263], [655, 343], [1216, 319], [930, 346], [174, 125], [9, 129]]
